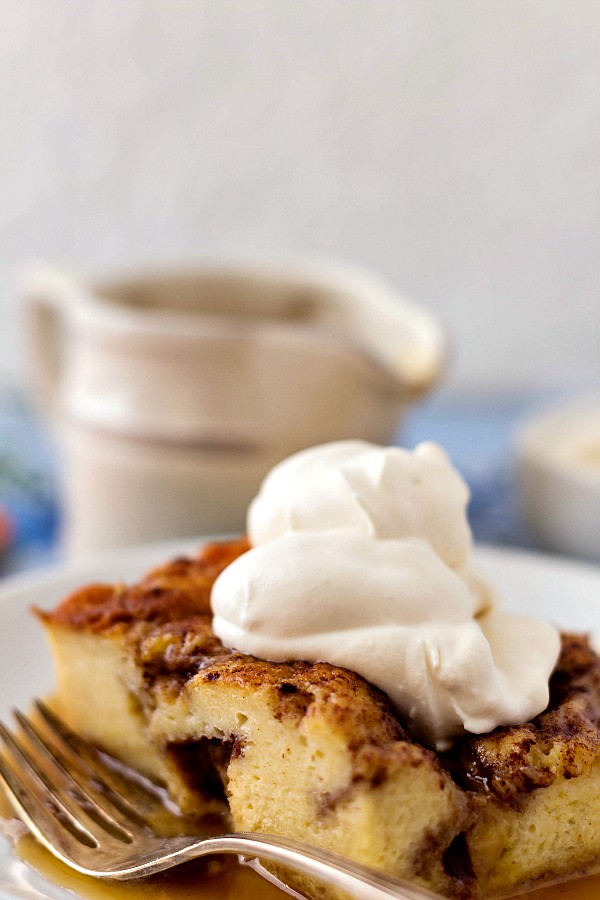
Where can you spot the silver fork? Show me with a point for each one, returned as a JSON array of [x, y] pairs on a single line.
[[102, 820]]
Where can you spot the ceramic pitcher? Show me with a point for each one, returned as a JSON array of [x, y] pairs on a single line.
[[173, 394]]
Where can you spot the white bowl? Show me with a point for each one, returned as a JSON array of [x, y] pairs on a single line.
[[558, 465]]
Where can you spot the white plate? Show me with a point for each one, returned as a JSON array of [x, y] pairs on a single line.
[[566, 592]]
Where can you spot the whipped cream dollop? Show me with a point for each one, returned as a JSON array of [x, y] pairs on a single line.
[[361, 557]]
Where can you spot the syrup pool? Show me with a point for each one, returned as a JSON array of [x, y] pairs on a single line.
[[205, 879], [210, 878]]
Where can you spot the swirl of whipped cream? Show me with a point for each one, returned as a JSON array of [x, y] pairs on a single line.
[[361, 558]]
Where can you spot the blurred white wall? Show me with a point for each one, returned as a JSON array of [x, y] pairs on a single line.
[[451, 145]]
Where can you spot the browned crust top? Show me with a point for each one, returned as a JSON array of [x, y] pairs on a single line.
[[177, 590]]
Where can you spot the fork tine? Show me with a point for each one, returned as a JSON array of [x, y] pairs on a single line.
[[129, 795], [75, 786], [34, 806]]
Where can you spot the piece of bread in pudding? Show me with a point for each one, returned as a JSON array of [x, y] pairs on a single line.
[[314, 752]]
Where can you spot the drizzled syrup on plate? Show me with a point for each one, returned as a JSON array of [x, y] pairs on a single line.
[[210, 878]]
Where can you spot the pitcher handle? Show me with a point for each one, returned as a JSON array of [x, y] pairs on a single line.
[[46, 297], [403, 337]]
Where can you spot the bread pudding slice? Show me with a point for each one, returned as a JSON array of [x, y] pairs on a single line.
[[313, 751]]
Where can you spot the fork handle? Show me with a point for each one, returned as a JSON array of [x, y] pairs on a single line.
[[357, 880]]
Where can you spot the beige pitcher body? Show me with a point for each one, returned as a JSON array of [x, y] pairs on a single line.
[[173, 394]]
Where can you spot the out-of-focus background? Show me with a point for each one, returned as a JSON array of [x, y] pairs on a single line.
[[451, 148]]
